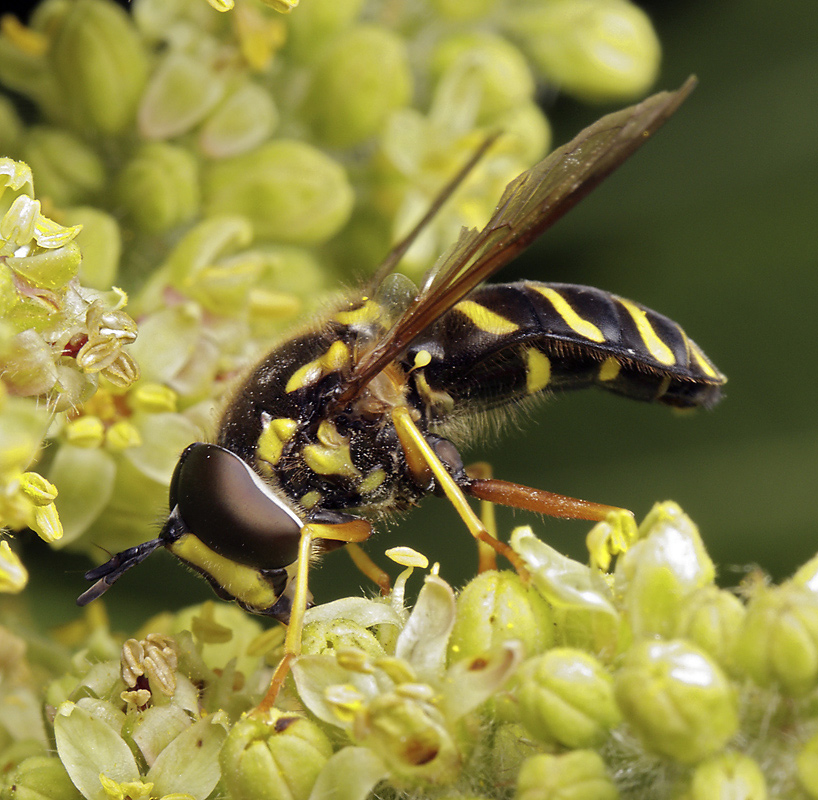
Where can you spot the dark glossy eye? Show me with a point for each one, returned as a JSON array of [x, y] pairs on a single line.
[[226, 505]]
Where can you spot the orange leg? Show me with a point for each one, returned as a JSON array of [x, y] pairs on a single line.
[[548, 503], [369, 568]]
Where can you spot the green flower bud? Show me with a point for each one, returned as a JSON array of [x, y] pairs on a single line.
[[274, 758], [319, 637], [463, 10], [658, 573], [245, 119], [87, 431], [580, 775], [677, 700], [23, 65], [598, 50], [316, 23], [711, 619], [100, 65], [411, 737], [15, 752], [496, 66], [567, 696], [496, 607], [153, 398], [291, 192], [100, 241], [180, 93], [363, 77], [41, 778], [159, 187], [67, 170], [728, 775], [806, 763], [778, 643]]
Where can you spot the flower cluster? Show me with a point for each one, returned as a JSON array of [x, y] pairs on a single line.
[[225, 169], [646, 682]]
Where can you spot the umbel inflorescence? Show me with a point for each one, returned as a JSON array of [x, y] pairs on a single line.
[[647, 682]]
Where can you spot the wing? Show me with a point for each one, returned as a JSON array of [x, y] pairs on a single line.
[[530, 205]]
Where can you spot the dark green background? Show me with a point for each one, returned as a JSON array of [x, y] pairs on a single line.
[[714, 223]]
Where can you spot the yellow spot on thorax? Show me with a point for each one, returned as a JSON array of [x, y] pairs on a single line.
[[538, 370], [609, 369], [330, 456], [656, 347], [372, 481], [368, 312], [570, 317], [333, 360], [311, 499], [484, 319], [274, 436]]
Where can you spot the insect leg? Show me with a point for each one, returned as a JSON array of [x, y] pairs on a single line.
[[415, 446], [355, 530], [486, 556], [539, 500], [369, 568]]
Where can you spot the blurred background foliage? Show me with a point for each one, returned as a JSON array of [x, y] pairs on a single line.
[[715, 225]]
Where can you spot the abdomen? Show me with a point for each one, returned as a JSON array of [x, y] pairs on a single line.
[[509, 341]]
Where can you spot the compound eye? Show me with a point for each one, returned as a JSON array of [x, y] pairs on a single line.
[[226, 505]]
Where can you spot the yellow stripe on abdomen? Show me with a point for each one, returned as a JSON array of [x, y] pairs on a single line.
[[570, 317], [485, 320], [655, 346]]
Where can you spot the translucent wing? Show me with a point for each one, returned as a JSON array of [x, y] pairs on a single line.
[[530, 205]]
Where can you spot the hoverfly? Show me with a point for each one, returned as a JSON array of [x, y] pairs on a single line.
[[345, 423]]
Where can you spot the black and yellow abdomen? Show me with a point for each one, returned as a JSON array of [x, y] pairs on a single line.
[[506, 342]]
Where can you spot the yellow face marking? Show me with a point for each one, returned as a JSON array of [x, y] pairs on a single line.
[[656, 347], [609, 369], [334, 360], [704, 365], [331, 455], [484, 319], [372, 481], [311, 499], [570, 317], [273, 438], [242, 582], [368, 312], [538, 370]]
